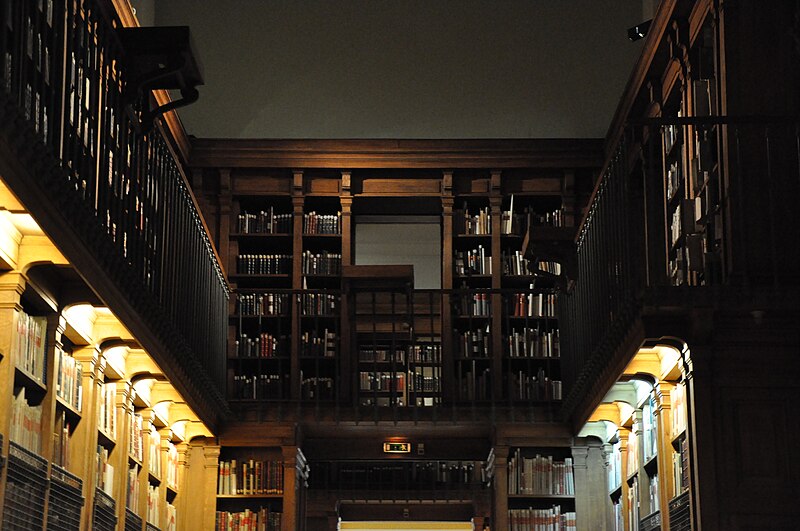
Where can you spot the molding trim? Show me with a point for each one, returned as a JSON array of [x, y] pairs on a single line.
[[401, 153]]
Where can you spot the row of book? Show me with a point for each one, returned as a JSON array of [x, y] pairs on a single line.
[[477, 304], [532, 305], [633, 452], [370, 354], [264, 264], [28, 345], [516, 264], [133, 489], [649, 429], [425, 353], [533, 343], [107, 412], [382, 381], [615, 467], [634, 509], [400, 475], [172, 518], [551, 519], [172, 466], [680, 466], [472, 343], [104, 479], [319, 343], [26, 423], [540, 475], [136, 438], [676, 226], [678, 397], [266, 345], [473, 262], [314, 223], [249, 476], [424, 380], [473, 224], [316, 387], [475, 384], [323, 263], [673, 179], [655, 503], [261, 520], [154, 452], [548, 266], [320, 303], [254, 304], [259, 386], [523, 386], [69, 379], [61, 440], [264, 222], [153, 507]]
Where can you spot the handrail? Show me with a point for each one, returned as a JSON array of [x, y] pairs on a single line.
[[118, 200], [721, 227]]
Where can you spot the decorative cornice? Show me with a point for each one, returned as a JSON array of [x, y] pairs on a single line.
[[410, 154]]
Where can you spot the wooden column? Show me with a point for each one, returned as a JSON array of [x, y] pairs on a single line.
[[448, 364], [495, 209], [584, 486], [607, 456], [346, 200], [124, 404], [700, 411], [289, 457], [144, 476], [500, 488], [623, 451], [83, 447], [208, 486], [298, 200], [53, 340], [166, 437], [666, 482], [182, 507]]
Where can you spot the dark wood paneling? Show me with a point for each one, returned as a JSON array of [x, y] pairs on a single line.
[[502, 153]]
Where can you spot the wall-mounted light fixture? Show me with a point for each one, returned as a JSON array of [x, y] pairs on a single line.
[[158, 58]]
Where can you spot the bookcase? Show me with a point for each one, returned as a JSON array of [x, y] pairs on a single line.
[[690, 162], [250, 488], [78, 425], [642, 423], [541, 488]]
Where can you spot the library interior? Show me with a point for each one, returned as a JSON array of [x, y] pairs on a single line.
[[510, 266]]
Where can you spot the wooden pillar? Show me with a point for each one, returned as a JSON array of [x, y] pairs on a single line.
[[623, 450], [500, 487], [666, 482], [346, 200], [298, 201], [208, 486], [83, 447], [124, 404], [584, 487], [697, 372], [184, 485], [495, 209], [448, 363], [289, 522], [607, 455]]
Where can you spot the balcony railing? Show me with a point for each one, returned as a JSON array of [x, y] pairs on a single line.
[[687, 211], [426, 355], [63, 114]]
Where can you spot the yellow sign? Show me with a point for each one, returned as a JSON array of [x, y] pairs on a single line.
[[397, 448]]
